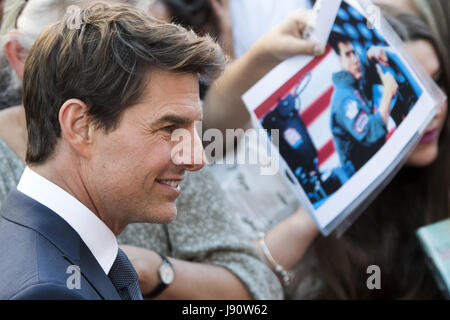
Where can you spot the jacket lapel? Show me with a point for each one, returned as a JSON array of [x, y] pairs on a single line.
[[94, 274], [23, 210]]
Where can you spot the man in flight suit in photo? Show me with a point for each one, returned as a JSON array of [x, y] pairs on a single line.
[[358, 126]]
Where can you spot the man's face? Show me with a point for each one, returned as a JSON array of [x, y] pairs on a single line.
[[131, 175], [349, 59]]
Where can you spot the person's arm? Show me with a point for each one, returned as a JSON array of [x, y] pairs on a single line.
[[192, 280], [288, 240], [378, 55], [390, 90], [223, 106]]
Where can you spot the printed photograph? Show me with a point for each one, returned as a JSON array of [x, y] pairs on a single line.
[[340, 109]]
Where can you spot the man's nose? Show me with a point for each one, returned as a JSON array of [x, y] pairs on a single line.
[[195, 159]]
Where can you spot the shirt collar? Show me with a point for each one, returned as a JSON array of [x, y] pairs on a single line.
[[100, 240]]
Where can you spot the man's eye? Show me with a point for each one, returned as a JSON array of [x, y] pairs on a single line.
[[169, 128]]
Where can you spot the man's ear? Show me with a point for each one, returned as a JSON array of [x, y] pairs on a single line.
[[76, 126], [16, 56]]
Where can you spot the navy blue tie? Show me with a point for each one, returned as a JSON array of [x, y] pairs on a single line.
[[124, 278]]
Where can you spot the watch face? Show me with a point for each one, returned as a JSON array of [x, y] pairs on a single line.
[[167, 274]]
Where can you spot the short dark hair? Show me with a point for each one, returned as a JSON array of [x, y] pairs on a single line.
[[190, 13], [336, 38], [105, 62]]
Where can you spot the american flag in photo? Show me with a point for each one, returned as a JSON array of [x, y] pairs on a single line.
[[315, 105]]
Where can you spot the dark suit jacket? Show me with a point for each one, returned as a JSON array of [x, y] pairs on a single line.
[[37, 249]]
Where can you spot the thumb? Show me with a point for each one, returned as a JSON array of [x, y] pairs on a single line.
[[301, 46]]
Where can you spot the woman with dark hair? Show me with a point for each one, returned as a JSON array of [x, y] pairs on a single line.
[[204, 17], [385, 234]]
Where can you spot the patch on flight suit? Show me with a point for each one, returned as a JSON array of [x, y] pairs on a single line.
[[351, 109], [361, 122], [293, 137]]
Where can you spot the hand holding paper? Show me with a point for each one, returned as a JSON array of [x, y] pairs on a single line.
[[285, 40], [224, 107]]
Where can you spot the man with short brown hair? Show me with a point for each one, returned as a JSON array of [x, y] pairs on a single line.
[[359, 129], [103, 92]]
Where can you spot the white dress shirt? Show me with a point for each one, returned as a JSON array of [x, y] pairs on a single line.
[[100, 240]]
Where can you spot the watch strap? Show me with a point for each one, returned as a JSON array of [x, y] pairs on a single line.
[[161, 286]]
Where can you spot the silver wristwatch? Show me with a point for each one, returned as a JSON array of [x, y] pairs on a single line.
[[166, 275]]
